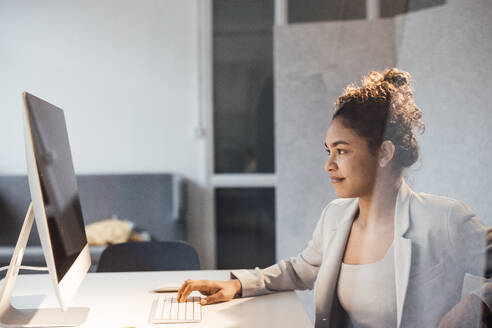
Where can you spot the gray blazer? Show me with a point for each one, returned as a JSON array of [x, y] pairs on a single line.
[[437, 240]]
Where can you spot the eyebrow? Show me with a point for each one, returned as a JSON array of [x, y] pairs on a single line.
[[336, 143]]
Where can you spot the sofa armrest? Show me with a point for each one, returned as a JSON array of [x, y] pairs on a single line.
[[33, 255]]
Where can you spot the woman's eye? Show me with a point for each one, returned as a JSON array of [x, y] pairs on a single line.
[[339, 151]]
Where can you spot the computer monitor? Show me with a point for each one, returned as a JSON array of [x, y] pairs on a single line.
[[56, 208]]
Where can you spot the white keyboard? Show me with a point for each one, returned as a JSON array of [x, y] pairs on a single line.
[[167, 309]]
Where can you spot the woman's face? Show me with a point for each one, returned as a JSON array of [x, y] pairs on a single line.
[[351, 165]]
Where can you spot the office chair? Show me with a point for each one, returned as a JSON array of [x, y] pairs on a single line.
[[149, 256]]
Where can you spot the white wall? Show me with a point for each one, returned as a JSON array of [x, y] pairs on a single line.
[[123, 71], [126, 72]]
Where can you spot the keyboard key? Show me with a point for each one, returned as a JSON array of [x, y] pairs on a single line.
[[169, 310], [158, 308], [189, 308], [197, 308], [182, 311], [166, 313], [174, 309]]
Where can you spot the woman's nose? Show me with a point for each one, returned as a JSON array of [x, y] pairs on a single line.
[[330, 164]]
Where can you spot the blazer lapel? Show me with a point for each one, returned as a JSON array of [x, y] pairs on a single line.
[[332, 259], [403, 247], [335, 248]]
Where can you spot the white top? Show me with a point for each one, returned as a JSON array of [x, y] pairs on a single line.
[[367, 292]]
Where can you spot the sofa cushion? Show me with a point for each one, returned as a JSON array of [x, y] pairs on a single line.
[[154, 202]]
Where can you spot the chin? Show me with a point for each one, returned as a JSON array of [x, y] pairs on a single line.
[[340, 194], [344, 194]]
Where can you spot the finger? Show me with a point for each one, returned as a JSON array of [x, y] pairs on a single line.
[[182, 288], [192, 285], [187, 291], [205, 287], [215, 298]]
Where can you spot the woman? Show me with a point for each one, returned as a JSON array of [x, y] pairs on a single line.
[[381, 255]]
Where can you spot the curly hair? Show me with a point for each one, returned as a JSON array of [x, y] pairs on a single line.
[[382, 109]]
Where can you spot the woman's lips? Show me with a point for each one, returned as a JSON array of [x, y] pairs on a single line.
[[337, 180]]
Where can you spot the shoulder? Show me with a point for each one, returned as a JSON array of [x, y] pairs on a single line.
[[337, 211], [431, 202], [436, 202], [438, 210]]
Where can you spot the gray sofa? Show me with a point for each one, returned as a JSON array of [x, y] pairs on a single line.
[[154, 202]]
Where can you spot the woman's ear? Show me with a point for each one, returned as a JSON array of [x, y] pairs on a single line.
[[386, 153]]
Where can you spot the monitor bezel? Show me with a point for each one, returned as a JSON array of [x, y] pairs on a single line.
[[69, 284]]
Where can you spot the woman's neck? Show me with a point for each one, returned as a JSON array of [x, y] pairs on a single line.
[[377, 209]]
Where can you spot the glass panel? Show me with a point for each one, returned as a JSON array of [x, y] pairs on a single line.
[[330, 10], [243, 86], [325, 10], [390, 8], [245, 227], [445, 48]]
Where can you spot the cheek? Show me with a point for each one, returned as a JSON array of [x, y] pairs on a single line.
[[368, 174], [350, 165], [358, 168]]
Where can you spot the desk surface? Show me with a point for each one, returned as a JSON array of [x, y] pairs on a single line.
[[124, 300]]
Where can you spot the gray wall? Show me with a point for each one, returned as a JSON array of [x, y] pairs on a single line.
[[446, 49]]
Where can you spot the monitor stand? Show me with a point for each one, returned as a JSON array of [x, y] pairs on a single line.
[[45, 317]]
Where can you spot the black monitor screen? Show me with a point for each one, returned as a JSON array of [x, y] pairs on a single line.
[[58, 183]]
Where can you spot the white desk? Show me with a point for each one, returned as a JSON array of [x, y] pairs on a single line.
[[123, 300]]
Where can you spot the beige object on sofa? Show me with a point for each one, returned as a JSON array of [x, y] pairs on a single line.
[[109, 231]]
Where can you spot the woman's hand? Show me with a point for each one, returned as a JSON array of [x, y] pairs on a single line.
[[217, 291]]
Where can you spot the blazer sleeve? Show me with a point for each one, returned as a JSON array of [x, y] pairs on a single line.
[[471, 240], [471, 243], [297, 272]]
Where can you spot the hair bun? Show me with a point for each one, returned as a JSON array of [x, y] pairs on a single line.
[[396, 77], [398, 80]]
